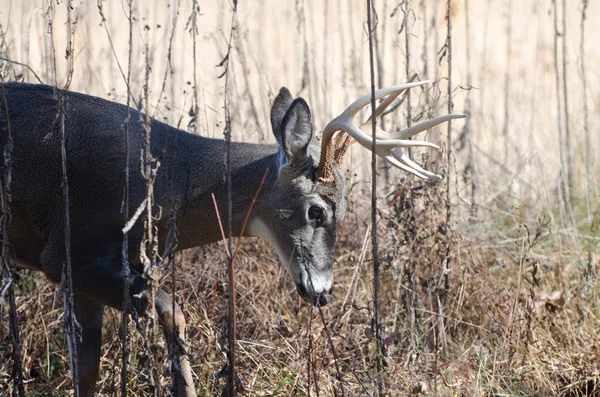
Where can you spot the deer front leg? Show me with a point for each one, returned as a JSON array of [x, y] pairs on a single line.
[[100, 283], [139, 298], [89, 315], [175, 336], [139, 294], [176, 341]]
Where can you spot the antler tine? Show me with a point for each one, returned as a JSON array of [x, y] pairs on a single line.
[[404, 159], [365, 100], [387, 146], [381, 108], [396, 163], [344, 122], [347, 115], [415, 129]]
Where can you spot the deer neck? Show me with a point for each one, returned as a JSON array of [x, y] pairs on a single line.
[[205, 175]]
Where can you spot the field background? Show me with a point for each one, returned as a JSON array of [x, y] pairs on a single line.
[[521, 314]]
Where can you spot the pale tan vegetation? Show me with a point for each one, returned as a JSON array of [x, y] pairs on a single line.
[[518, 311]]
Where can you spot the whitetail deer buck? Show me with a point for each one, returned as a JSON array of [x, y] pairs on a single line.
[[299, 210]]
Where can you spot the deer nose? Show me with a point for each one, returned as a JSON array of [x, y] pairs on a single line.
[[323, 299], [316, 299]]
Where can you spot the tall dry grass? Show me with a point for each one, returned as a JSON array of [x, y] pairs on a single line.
[[520, 316]]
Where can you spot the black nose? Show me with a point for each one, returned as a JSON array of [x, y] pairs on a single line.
[[318, 300], [323, 300]]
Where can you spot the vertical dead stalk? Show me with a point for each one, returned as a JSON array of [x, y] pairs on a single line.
[[483, 66], [309, 353], [448, 146], [336, 359], [564, 185], [374, 246], [70, 325], [325, 53], [586, 113], [172, 240], [465, 137], [379, 68], [412, 269], [301, 28], [569, 171], [192, 27], [424, 49], [149, 249], [125, 270], [380, 63], [8, 263], [239, 46], [406, 27], [506, 120], [329, 339], [231, 356]]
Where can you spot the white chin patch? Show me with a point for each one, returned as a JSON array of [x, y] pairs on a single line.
[[256, 228]]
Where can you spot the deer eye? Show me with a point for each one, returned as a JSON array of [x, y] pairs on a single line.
[[317, 214]]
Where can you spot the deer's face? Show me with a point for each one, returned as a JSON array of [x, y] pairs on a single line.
[[299, 215]]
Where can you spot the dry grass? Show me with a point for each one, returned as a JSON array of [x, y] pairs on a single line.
[[521, 316]]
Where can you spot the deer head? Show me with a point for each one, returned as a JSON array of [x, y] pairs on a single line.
[[302, 212]]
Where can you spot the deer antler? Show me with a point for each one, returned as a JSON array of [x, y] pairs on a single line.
[[341, 132]]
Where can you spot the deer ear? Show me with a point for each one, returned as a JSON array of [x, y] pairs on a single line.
[[296, 132], [281, 104]]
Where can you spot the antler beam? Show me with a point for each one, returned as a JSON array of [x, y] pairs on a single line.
[[342, 131]]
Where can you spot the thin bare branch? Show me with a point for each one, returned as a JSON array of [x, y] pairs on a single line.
[[231, 356], [7, 259], [125, 270], [374, 243]]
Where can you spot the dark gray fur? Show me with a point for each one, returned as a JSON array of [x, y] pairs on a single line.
[[191, 168]]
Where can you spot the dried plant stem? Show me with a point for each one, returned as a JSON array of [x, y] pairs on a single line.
[[231, 353], [192, 26], [380, 64], [412, 276], [447, 268], [309, 355], [329, 339], [254, 109], [483, 66], [336, 359], [354, 61], [586, 113], [466, 136], [301, 30], [71, 327], [125, 269], [374, 246], [564, 184], [26, 66], [169, 66], [436, 93], [567, 143], [507, 74], [425, 49], [149, 249], [112, 47], [407, 33], [343, 38], [324, 78], [7, 260]]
